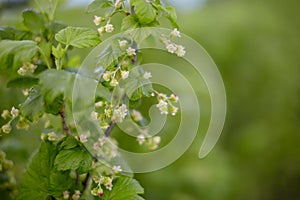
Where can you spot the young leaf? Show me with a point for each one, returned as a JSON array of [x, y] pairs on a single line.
[[78, 37], [124, 188], [33, 107], [33, 20], [170, 13], [14, 53], [54, 83], [136, 86], [144, 11], [72, 157], [23, 82], [98, 4], [41, 180], [129, 22]]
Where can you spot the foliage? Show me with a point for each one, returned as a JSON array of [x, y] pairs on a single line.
[[37, 58]]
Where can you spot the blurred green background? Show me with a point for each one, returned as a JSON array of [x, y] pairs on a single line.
[[256, 46]]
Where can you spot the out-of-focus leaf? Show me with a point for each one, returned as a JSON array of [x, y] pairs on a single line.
[[33, 20], [144, 11], [14, 53], [23, 82], [98, 4]]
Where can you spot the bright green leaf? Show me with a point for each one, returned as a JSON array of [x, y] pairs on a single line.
[[78, 37], [129, 22], [124, 188], [76, 158], [14, 53], [144, 11], [33, 107], [42, 180], [33, 20], [23, 82]]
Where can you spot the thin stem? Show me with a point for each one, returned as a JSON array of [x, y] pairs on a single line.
[[86, 181], [53, 10], [65, 126], [109, 129]]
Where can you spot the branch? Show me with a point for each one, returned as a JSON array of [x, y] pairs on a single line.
[[109, 129], [65, 126]]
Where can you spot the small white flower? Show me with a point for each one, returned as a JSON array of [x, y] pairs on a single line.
[[109, 28], [131, 51], [6, 128], [107, 112], [5, 114], [156, 140], [114, 82], [106, 76], [14, 112], [163, 107], [171, 47], [22, 71], [52, 136], [123, 43], [175, 33], [97, 20], [76, 195], [119, 113], [116, 169], [104, 125], [136, 115], [101, 30], [174, 110], [174, 98], [99, 104], [66, 194], [94, 115], [180, 51], [141, 139], [107, 182], [147, 75], [32, 68], [83, 138], [124, 74], [25, 92], [118, 4]]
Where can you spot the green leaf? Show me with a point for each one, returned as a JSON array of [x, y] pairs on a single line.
[[124, 188], [136, 86], [11, 33], [129, 22], [144, 11], [42, 180], [78, 37], [110, 56], [33, 20], [23, 82], [103, 92], [33, 107], [54, 83], [14, 53], [170, 13], [98, 4], [73, 156]]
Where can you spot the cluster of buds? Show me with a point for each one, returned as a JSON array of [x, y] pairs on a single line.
[[113, 77], [165, 103], [26, 67], [173, 48], [151, 142], [52, 136], [13, 114], [108, 28]]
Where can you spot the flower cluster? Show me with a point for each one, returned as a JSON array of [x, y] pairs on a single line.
[[26, 67], [11, 115], [106, 147], [173, 48], [165, 103]]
